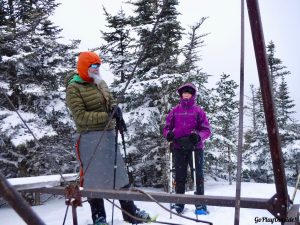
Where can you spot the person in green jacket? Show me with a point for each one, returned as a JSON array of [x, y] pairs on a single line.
[[91, 103]]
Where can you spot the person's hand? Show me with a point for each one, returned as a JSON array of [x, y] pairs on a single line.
[[118, 113], [121, 126], [194, 138], [170, 136]]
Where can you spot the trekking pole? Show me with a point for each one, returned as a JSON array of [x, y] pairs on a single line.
[[194, 173], [125, 156], [115, 171], [171, 175], [194, 169], [296, 187]]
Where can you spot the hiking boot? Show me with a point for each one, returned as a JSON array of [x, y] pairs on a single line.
[[201, 210], [100, 221], [178, 207], [140, 214]]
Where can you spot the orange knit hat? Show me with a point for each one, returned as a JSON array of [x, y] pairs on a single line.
[[85, 60]]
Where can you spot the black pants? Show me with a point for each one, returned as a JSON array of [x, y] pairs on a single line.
[[98, 210], [183, 158]]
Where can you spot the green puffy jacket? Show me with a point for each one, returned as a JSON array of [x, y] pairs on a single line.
[[90, 105]]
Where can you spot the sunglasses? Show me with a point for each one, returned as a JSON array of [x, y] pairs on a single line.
[[95, 66]]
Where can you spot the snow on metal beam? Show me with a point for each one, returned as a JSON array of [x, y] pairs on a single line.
[[25, 183]]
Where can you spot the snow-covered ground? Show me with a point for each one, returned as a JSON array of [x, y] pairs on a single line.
[[53, 211]]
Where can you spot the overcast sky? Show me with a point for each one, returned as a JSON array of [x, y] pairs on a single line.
[[83, 19]]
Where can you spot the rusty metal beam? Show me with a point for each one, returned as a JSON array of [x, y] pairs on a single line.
[[281, 199], [255, 203], [18, 203]]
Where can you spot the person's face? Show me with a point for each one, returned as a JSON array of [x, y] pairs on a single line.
[[94, 69], [186, 95]]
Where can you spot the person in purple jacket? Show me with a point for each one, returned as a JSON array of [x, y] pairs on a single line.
[[187, 127]]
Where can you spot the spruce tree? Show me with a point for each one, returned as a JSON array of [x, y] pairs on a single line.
[[33, 64], [277, 71], [117, 50], [191, 49], [276, 68], [156, 83], [162, 49], [283, 102], [225, 129], [257, 146], [153, 88], [285, 106], [257, 152]]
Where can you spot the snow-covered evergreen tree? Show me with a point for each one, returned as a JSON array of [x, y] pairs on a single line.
[[118, 51], [257, 150], [257, 156], [152, 90], [284, 110], [160, 52], [285, 105], [222, 146], [157, 79], [191, 49], [276, 68], [32, 64], [285, 115]]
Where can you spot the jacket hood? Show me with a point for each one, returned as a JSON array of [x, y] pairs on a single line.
[[190, 85], [85, 59], [71, 78]]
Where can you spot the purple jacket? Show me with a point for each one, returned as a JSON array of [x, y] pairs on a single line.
[[187, 117]]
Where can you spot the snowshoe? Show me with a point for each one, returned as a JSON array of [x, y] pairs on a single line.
[[201, 210], [178, 207]]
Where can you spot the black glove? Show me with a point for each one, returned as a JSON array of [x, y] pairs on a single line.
[[121, 126], [170, 136], [118, 113], [194, 138]]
